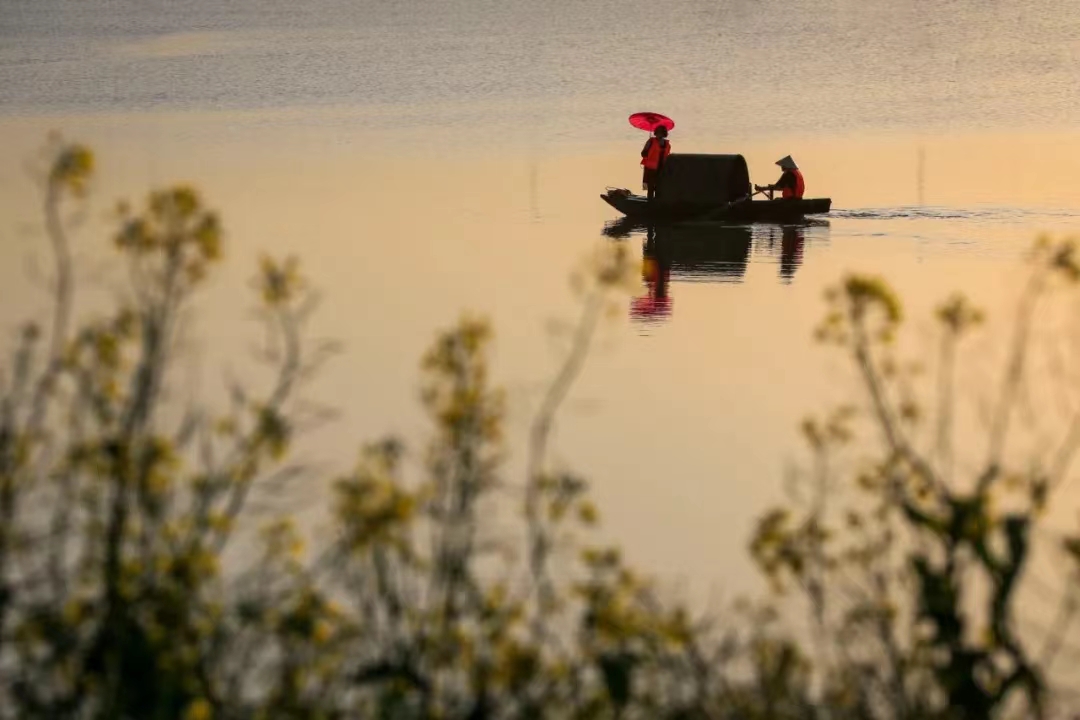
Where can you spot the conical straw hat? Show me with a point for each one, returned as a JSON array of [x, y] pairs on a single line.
[[787, 163]]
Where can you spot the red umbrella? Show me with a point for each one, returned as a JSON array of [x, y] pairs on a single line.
[[649, 121]]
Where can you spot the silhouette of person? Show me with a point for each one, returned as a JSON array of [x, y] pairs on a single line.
[[792, 240]]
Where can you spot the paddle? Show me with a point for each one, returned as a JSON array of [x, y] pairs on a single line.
[[727, 206]]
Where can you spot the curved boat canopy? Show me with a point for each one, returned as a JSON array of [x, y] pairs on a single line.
[[700, 179]]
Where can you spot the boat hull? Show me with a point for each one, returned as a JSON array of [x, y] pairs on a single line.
[[779, 210]]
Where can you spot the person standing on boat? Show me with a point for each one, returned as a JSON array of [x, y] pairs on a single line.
[[791, 183], [656, 150]]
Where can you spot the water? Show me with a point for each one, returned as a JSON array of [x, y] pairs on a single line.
[[564, 70], [427, 157]]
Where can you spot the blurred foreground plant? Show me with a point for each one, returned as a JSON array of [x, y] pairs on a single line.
[[913, 574], [115, 514], [113, 517]]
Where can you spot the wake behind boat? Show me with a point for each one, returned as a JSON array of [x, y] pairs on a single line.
[[712, 187]]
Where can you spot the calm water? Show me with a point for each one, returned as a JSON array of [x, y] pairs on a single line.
[[429, 157]]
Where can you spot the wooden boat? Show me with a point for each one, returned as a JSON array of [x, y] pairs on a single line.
[[742, 211], [710, 187]]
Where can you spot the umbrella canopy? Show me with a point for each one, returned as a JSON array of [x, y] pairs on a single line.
[[650, 121]]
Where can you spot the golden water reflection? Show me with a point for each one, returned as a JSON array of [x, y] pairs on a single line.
[[400, 237]]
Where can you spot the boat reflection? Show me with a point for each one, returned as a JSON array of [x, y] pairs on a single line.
[[709, 252], [689, 253]]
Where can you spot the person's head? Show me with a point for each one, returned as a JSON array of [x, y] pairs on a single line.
[[787, 163], [660, 132]]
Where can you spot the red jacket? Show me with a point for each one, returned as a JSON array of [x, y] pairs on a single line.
[[792, 188], [651, 154]]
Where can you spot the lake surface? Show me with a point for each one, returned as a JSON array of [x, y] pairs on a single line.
[[426, 158]]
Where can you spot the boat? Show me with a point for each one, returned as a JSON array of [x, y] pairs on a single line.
[[738, 211], [710, 187]]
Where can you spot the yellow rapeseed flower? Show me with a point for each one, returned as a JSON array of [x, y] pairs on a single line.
[[587, 513], [198, 710], [321, 632]]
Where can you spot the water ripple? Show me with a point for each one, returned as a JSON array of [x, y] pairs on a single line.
[[984, 214]]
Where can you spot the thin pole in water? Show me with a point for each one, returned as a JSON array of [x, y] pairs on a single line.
[[920, 173]]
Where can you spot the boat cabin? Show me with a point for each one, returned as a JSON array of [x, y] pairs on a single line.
[[704, 180]]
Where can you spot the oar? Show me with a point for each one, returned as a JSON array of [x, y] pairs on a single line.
[[727, 206]]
